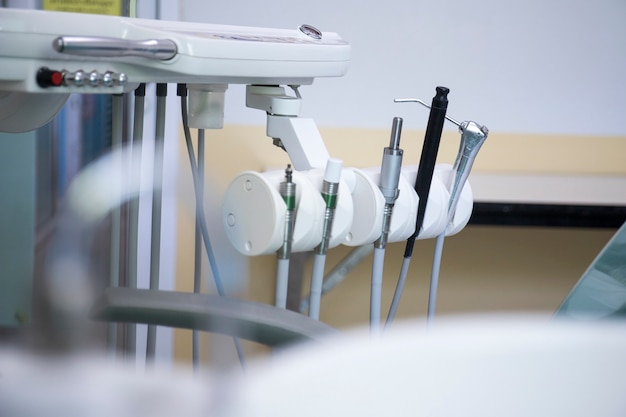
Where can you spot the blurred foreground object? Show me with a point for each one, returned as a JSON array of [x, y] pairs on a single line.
[[481, 366]]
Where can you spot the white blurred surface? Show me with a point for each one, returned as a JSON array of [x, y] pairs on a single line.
[[471, 366], [498, 366]]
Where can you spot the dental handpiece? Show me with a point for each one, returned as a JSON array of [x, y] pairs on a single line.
[[330, 188], [288, 193], [473, 136], [390, 178]]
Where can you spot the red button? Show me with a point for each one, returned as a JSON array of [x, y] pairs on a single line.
[[56, 78]]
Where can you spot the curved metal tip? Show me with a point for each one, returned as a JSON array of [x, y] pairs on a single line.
[[416, 100]]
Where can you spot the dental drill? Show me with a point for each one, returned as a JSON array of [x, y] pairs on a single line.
[[389, 179], [423, 181], [330, 187], [473, 136], [288, 193]]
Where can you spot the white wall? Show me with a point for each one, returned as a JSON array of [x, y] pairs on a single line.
[[520, 67]]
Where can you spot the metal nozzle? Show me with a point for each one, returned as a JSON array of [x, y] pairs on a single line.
[[396, 130], [392, 164], [288, 173]]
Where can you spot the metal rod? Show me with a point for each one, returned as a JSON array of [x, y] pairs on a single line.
[[103, 47]]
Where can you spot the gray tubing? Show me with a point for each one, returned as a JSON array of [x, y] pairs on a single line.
[[397, 295], [317, 281], [339, 272], [197, 270], [155, 250], [117, 133], [434, 278], [133, 220], [376, 291], [257, 322]]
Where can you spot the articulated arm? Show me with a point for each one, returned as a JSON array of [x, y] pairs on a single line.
[[298, 136]]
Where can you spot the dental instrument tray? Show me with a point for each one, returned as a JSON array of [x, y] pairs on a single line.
[[57, 52]]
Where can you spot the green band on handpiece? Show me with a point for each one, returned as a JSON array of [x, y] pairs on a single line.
[[290, 200], [330, 200]]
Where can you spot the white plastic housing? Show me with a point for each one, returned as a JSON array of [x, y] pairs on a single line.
[[206, 53], [436, 208], [253, 212], [404, 212], [435, 219], [369, 205], [301, 139], [466, 201], [344, 212], [206, 105]]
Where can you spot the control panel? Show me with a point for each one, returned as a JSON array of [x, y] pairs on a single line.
[[47, 77]]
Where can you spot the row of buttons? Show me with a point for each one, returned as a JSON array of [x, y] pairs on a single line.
[[53, 78], [94, 79]]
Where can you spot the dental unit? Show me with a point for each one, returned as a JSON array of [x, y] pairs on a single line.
[[313, 205]]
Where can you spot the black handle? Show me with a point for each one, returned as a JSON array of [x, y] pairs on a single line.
[[428, 159]]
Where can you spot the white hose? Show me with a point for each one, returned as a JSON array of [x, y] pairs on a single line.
[[397, 295], [434, 278], [282, 282], [317, 281], [376, 291], [339, 272]]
